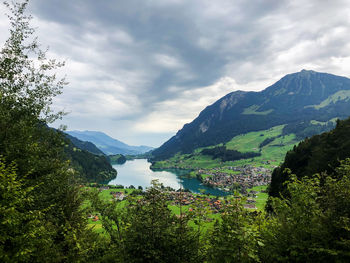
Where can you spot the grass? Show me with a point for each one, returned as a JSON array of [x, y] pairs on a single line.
[[272, 154], [252, 110], [175, 209], [340, 95], [261, 198], [334, 120]]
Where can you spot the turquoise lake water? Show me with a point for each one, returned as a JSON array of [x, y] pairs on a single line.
[[138, 173]]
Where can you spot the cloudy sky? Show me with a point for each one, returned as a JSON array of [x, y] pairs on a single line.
[[139, 70]]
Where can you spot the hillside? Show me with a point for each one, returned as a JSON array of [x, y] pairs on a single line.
[[91, 167], [271, 144], [84, 145], [299, 101], [107, 144], [320, 153]]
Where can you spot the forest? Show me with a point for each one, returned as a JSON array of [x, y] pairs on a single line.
[[44, 208], [228, 155]]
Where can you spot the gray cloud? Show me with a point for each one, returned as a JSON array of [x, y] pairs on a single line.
[[139, 70]]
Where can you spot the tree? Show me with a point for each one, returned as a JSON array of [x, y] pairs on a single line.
[[21, 231], [312, 224], [28, 84], [235, 237]]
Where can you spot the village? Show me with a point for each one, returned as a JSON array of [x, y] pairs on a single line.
[[237, 179], [184, 198]]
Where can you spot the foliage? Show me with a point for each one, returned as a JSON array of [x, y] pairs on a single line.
[[235, 237], [118, 158], [228, 155], [21, 231], [91, 167], [146, 230], [266, 141], [306, 129], [314, 155], [42, 190], [312, 224]]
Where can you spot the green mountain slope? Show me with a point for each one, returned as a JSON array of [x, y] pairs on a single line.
[[320, 153], [84, 145], [91, 167], [294, 101], [271, 144]]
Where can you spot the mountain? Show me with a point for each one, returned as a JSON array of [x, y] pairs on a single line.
[[107, 144], [83, 145], [296, 101], [92, 168], [320, 153]]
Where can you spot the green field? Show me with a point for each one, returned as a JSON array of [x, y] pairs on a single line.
[[340, 95], [272, 154], [261, 198]]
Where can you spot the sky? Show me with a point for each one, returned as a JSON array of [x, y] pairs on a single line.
[[140, 70]]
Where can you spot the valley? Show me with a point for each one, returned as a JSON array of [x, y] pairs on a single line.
[[259, 175]]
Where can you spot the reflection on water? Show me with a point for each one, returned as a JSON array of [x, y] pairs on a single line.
[[137, 173]]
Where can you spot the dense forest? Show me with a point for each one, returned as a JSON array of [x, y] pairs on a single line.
[[90, 167], [228, 155], [318, 154], [44, 210], [117, 158]]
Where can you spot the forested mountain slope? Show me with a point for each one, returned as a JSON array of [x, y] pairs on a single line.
[[84, 145], [89, 161], [320, 153]]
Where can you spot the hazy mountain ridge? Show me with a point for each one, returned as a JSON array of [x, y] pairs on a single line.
[[107, 144], [296, 98], [84, 145]]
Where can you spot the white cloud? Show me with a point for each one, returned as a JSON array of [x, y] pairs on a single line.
[[142, 67], [170, 115]]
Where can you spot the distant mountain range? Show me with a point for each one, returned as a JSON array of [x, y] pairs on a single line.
[[298, 100], [83, 145], [107, 144]]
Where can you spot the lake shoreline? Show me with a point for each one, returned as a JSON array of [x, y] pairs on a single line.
[[138, 172]]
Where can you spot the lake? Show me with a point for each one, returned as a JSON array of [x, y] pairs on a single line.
[[138, 173]]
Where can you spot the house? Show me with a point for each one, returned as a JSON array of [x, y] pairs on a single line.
[[249, 206], [119, 196]]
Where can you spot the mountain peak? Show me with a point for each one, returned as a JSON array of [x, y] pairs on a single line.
[[307, 71], [298, 97]]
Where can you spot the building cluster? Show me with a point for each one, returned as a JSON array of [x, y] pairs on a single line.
[[118, 195], [247, 177], [186, 198]]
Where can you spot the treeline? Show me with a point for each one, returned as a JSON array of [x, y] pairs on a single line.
[[314, 155], [228, 155], [267, 141], [91, 167], [117, 158], [306, 129]]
